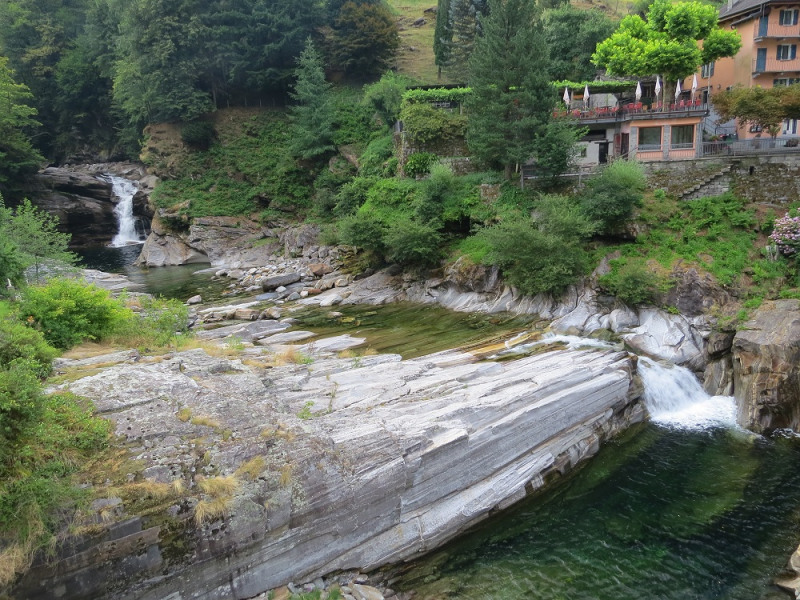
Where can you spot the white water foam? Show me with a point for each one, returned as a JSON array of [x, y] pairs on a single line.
[[571, 342], [674, 398], [124, 190]]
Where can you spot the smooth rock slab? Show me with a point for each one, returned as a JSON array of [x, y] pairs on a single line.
[[366, 461]]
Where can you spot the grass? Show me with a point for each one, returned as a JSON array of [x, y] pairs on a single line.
[[252, 468], [219, 496], [217, 487], [205, 421], [418, 63], [5, 309]]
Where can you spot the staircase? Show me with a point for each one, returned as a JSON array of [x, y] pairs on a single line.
[[712, 185]]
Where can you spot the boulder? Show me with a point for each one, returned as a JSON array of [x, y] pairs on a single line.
[[320, 269], [198, 299], [670, 337], [245, 314], [166, 250], [766, 368], [382, 457], [330, 300], [275, 281]]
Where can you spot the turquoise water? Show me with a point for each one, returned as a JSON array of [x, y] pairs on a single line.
[[660, 513]]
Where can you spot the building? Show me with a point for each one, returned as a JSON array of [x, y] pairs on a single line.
[[770, 32]]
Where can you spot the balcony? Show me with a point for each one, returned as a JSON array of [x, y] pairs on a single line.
[[776, 31], [636, 111], [773, 65]]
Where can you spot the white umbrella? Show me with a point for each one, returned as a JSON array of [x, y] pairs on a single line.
[[678, 89], [638, 91], [694, 85], [586, 95], [658, 86], [566, 96]]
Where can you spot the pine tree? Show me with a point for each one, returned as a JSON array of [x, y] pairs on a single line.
[[463, 26], [512, 97], [312, 115], [443, 35]]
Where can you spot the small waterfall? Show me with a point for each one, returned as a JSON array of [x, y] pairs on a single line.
[[674, 398], [129, 233]]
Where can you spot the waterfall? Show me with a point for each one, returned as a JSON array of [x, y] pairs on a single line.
[[674, 398], [124, 190]]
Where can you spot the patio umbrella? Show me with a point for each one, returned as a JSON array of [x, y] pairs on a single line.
[[586, 95], [694, 85], [658, 86], [566, 96], [638, 91], [678, 90]]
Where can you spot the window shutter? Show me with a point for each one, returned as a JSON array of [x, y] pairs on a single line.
[[794, 16], [778, 52], [794, 52]]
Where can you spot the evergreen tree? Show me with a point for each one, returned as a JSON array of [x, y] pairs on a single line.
[[17, 156], [572, 35], [364, 39], [312, 116], [443, 35], [465, 28], [512, 97]]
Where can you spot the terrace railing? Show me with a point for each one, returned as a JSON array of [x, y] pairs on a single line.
[[751, 146]]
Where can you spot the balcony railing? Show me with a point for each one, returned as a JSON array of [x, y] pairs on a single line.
[[752, 146], [773, 65], [775, 30], [636, 110]]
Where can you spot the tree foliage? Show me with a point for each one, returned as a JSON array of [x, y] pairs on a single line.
[[556, 149], [464, 29], [364, 39], [667, 42], [386, 96], [510, 102], [17, 155], [766, 108], [572, 36], [610, 198], [312, 114], [443, 35]]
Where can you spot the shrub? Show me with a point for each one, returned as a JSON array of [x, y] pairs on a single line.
[[556, 149], [378, 152], [632, 283], [198, 134], [419, 163], [157, 323], [786, 234], [560, 216], [68, 312], [411, 243], [386, 96], [426, 124], [19, 341], [533, 260], [611, 197], [362, 230], [11, 267], [352, 196], [434, 192], [20, 401]]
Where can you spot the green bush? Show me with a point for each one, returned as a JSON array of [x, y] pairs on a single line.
[[611, 197], [11, 267], [556, 149], [20, 401], [19, 341], [363, 231], [374, 158], [426, 124], [632, 283], [386, 96], [198, 134], [411, 243], [68, 312], [352, 196], [434, 193], [419, 163]]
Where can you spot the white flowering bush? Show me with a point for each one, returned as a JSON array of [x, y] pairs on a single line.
[[786, 235]]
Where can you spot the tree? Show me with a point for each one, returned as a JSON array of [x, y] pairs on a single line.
[[667, 43], [610, 198], [312, 115], [386, 96], [766, 108], [34, 234], [443, 35], [465, 29], [17, 155], [511, 101], [364, 39], [556, 149], [572, 36]]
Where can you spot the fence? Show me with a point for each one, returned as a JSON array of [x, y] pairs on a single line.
[[752, 146]]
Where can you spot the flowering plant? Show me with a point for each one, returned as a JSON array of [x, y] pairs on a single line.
[[786, 234]]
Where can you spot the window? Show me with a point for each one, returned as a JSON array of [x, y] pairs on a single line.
[[682, 136], [707, 71], [787, 52], [650, 138], [790, 127], [788, 17], [784, 81]]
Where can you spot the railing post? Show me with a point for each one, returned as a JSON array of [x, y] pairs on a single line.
[[666, 135]]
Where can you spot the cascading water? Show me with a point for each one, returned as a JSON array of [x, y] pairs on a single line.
[[125, 190], [674, 397]]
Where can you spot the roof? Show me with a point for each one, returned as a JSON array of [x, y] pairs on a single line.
[[739, 7]]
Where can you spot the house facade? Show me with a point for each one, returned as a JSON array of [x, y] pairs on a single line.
[[770, 32]]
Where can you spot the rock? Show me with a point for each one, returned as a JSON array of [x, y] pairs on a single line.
[[766, 368], [167, 250], [294, 296], [335, 314], [198, 299], [622, 319], [272, 313], [719, 343], [342, 282], [246, 314], [320, 269], [694, 294], [285, 338], [276, 281], [419, 22], [365, 592], [280, 289], [281, 593], [390, 459], [670, 337], [330, 300]]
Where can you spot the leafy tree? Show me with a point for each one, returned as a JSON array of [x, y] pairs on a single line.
[[364, 39], [511, 102], [411, 243], [667, 43], [17, 156], [35, 235], [610, 198], [386, 96], [442, 35], [766, 108], [572, 36], [556, 149], [312, 115]]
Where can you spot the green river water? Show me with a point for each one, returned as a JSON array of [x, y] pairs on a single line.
[[666, 511]]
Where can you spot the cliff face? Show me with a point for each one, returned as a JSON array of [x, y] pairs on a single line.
[[338, 464]]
